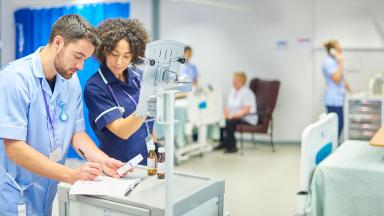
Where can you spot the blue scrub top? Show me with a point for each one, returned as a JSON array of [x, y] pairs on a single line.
[[103, 110], [23, 117], [334, 95]]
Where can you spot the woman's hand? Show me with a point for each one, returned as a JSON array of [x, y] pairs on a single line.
[[339, 58], [110, 166]]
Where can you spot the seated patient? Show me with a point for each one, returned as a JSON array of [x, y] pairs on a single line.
[[241, 101]]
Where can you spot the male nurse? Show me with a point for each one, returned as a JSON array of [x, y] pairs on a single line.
[[41, 113]]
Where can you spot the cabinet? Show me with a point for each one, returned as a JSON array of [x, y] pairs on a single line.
[[193, 195], [363, 116]]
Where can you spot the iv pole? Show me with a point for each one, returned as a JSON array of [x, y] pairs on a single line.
[[166, 118], [160, 78]]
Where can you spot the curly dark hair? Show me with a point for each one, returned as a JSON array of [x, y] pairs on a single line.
[[111, 31]]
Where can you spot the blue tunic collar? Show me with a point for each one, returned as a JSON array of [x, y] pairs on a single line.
[[111, 78]]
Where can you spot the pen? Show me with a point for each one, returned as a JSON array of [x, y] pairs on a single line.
[[83, 154]]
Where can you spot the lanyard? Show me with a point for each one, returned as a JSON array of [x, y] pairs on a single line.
[[115, 98], [137, 85], [48, 113], [113, 95], [110, 89]]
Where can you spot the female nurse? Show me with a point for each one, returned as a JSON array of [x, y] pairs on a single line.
[[112, 93], [333, 70]]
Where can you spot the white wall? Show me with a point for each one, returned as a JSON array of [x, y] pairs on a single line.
[[142, 10], [225, 40], [352, 23]]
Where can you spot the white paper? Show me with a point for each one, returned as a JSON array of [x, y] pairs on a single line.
[[130, 164], [104, 185]]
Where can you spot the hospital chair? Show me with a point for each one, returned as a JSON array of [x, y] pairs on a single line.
[[266, 97], [318, 141]]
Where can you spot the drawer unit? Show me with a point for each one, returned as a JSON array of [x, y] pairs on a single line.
[[193, 195], [363, 116]]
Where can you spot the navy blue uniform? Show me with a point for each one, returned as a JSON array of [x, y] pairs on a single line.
[[104, 96]]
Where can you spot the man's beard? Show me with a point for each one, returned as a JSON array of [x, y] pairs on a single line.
[[60, 67]]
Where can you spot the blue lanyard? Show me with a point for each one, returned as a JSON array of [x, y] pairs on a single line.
[[115, 98], [48, 113], [137, 85], [113, 95]]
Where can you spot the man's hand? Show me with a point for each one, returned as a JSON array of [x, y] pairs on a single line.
[[82, 141], [87, 172]]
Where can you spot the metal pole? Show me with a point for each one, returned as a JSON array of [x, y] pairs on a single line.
[[155, 20], [168, 106]]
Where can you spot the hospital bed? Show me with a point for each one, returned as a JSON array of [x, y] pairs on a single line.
[[318, 141], [204, 108]]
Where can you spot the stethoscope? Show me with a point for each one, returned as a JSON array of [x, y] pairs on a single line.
[[119, 107]]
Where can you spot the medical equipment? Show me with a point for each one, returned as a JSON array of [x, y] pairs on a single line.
[[318, 141], [162, 61], [205, 105], [363, 116], [161, 79], [376, 84], [204, 108]]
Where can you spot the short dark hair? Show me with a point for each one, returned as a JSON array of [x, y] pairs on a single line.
[[111, 31], [187, 48], [73, 27]]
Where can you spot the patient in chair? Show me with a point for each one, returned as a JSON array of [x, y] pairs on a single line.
[[241, 101]]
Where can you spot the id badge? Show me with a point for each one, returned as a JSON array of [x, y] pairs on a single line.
[[56, 155], [149, 141], [21, 209]]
